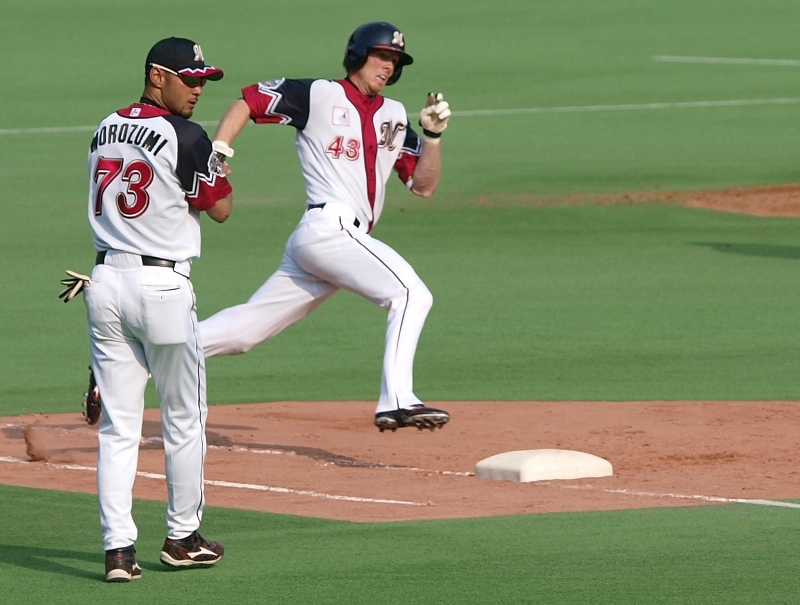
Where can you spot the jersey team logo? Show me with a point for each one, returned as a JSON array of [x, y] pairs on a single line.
[[389, 133], [341, 116]]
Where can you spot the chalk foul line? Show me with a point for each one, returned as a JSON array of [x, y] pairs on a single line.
[[233, 485], [630, 492], [312, 494]]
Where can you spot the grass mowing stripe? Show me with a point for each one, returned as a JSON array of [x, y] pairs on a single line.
[[726, 60], [499, 112], [66, 129]]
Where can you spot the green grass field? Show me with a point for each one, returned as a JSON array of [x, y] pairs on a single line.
[[625, 302]]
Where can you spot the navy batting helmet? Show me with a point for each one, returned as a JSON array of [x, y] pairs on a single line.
[[377, 34]]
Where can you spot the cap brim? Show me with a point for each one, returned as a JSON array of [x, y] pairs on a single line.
[[405, 58], [208, 72]]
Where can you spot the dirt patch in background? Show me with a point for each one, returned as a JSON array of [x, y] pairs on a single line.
[[772, 200], [775, 200], [327, 460]]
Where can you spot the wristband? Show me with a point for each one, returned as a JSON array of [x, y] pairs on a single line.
[[429, 133], [222, 148]]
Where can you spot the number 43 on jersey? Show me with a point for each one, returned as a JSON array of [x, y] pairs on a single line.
[[351, 149]]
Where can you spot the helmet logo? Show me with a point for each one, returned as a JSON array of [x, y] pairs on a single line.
[[397, 39], [198, 53]]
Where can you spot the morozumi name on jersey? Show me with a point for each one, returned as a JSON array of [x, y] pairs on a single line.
[[151, 173], [348, 142]]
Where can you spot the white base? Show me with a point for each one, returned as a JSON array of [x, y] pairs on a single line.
[[542, 465]]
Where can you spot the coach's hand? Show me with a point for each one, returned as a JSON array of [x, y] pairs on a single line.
[[434, 116]]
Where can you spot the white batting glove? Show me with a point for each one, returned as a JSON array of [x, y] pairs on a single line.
[[434, 116], [222, 149], [74, 285]]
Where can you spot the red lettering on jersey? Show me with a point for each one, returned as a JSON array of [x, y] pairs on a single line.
[[335, 148], [106, 171], [138, 175], [135, 201], [352, 150]]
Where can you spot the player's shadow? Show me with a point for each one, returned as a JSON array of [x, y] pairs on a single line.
[[769, 250], [51, 560], [57, 561]]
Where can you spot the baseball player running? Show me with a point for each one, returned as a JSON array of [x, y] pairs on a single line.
[[349, 139], [151, 173]]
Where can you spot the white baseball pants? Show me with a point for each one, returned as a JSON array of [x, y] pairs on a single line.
[[142, 320], [325, 253]]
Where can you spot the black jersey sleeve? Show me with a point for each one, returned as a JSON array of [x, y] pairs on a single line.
[[197, 169], [280, 101]]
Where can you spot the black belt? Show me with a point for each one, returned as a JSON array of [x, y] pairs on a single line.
[[147, 261], [356, 222]]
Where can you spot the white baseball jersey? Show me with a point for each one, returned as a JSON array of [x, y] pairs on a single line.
[[151, 174], [348, 142]]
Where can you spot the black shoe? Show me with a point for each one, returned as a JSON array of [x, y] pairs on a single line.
[[419, 416], [191, 551], [121, 565], [91, 401]]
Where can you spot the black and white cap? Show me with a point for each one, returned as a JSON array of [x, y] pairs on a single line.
[[182, 56]]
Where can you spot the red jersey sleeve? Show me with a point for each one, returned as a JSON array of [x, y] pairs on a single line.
[[409, 154]]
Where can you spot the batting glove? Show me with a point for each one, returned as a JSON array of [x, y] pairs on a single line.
[[222, 150], [74, 285], [434, 116]]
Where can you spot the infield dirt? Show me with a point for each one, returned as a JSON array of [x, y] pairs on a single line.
[[327, 460]]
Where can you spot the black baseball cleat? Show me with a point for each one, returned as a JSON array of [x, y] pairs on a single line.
[[121, 565], [192, 551], [419, 416], [92, 406]]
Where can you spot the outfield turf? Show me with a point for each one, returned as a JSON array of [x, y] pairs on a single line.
[[722, 554], [623, 302]]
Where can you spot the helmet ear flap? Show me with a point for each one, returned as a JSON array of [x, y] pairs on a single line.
[[353, 59]]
